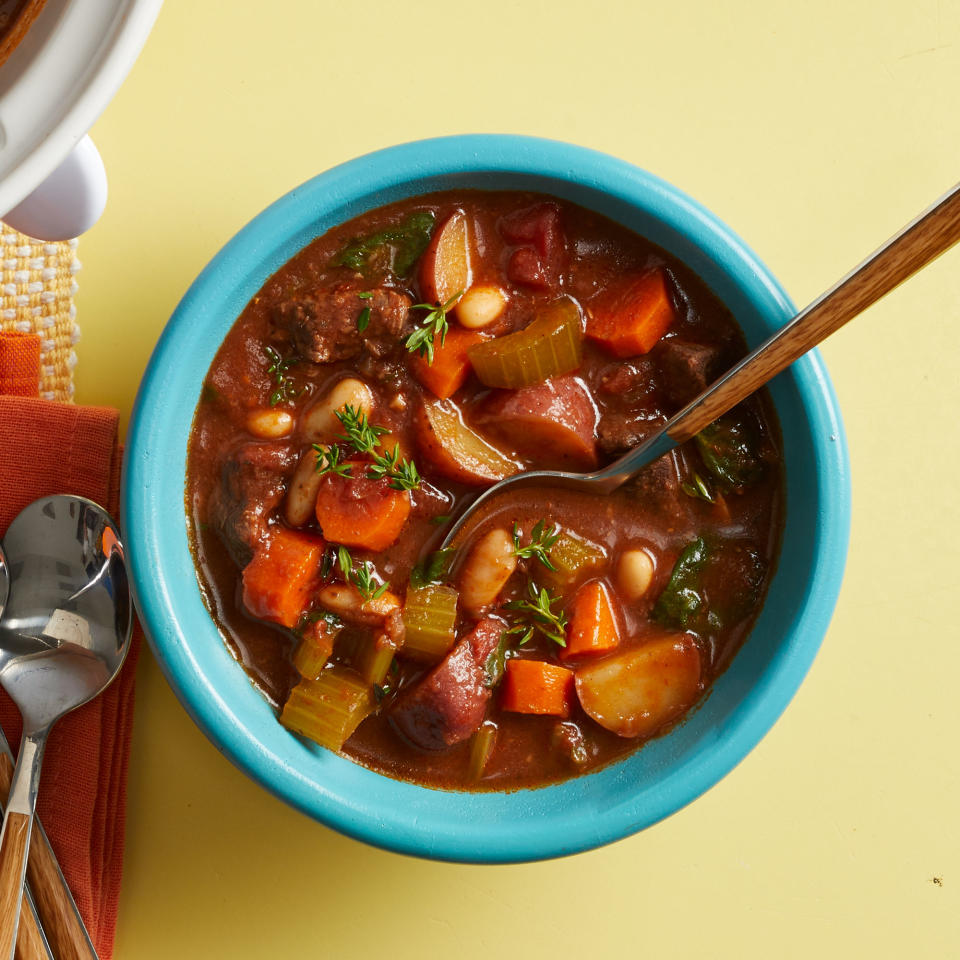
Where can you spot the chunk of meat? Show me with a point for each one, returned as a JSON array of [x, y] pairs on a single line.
[[620, 430], [447, 706], [688, 368], [322, 324], [252, 484], [541, 247], [657, 486], [631, 381], [553, 423]]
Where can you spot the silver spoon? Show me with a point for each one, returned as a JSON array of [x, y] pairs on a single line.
[[64, 635], [919, 242]]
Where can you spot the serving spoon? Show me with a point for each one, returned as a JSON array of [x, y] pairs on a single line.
[[922, 240], [64, 635]]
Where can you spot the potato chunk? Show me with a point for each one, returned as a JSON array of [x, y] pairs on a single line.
[[637, 691]]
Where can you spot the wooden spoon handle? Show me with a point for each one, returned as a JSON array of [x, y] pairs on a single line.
[[65, 931], [921, 241], [54, 903], [30, 945], [13, 857]]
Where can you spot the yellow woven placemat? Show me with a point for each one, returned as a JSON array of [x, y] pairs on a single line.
[[37, 286]]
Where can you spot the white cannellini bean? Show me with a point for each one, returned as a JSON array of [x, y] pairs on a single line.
[[298, 507], [269, 424], [346, 601], [320, 421], [634, 573], [480, 306], [488, 567]]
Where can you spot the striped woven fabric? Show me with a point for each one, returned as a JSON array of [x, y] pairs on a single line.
[[37, 286]]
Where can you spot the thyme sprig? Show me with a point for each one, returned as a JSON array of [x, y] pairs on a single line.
[[362, 435], [433, 325], [286, 390], [541, 541], [328, 461], [401, 472], [539, 615], [361, 576]]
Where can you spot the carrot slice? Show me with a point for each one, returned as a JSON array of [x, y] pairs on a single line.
[[450, 367], [278, 581], [593, 623], [533, 686], [632, 319], [359, 512]]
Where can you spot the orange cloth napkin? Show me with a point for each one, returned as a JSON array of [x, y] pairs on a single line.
[[46, 448]]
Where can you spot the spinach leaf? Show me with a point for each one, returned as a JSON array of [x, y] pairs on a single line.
[[682, 599], [729, 450], [496, 662], [403, 245], [434, 569]]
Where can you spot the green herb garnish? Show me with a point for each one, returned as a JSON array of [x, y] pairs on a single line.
[[728, 448], [315, 616], [433, 325], [698, 488], [540, 615], [434, 569], [401, 246], [278, 370], [496, 662], [358, 431], [328, 461], [362, 577], [441, 519], [682, 599], [541, 540], [402, 474], [366, 295], [363, 321]]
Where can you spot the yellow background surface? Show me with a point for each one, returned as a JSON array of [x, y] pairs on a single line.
[[815, 130]]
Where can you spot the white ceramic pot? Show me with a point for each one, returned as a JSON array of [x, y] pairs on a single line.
[[52, 89]]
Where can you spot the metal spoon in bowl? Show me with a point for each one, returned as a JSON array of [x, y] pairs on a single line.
[[916, 245], [64, 635]]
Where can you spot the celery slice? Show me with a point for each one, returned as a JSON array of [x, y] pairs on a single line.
[[314, 649], [430, 615], [374, 658], [571, 555], [328, 709], [484, 740], [552, 344]]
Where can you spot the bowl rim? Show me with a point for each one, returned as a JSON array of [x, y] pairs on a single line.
[[160, 575]]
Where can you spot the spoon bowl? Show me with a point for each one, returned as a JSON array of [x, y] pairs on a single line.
[[64, 635]]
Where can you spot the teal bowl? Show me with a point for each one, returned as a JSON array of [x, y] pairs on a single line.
[[582, 813]]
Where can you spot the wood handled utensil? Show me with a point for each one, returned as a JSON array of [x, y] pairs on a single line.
[[64, 635], [922, 240]]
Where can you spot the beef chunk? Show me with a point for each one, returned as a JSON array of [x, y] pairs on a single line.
[[538, 236], [322, 324], [620, 430], [657, 486], [448, 704], [632, 412], [633, 381], [687, 368], [251, 488]]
